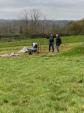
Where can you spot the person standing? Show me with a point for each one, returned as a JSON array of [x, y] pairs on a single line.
[[51, 43], [58, 41]]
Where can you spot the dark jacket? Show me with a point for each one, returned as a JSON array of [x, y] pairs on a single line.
[[58, 41], [51, 40]]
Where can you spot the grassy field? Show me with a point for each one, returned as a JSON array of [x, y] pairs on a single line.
[[43, 83]]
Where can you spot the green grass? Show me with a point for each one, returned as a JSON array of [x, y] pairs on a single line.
[[73, 39], [47, 83], [42, 41]]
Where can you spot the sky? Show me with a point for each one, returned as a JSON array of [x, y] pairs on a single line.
[[50, 9]]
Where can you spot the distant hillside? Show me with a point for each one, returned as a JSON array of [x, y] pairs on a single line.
[[56, 22]]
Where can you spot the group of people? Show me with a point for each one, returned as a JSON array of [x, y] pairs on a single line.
[[51, 42], [35, 46]]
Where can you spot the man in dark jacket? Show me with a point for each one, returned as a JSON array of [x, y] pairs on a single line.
[[51, 43], [58, 42]]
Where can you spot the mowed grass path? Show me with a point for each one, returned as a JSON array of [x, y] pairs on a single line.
[[49, 83]]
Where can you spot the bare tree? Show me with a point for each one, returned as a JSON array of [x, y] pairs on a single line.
[[25, 22], [43, 24], [35, 15]]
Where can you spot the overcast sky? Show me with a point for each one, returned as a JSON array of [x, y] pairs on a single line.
[[51, 9]]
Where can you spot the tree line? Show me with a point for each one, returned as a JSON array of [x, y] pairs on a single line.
[[33, 24]]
